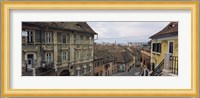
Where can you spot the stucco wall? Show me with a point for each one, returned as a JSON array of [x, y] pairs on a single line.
[[156, 58]]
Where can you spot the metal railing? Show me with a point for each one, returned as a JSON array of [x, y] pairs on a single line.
[[174, 66], [158, 69]]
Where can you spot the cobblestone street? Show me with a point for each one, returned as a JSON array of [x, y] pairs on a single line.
[[135, 71]]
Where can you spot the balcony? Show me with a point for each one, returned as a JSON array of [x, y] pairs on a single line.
[[168, 66], [29, 48]]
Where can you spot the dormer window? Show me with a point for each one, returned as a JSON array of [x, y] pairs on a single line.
[[173, 25]]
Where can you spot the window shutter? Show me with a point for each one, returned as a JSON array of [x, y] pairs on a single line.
[[154, 46], [159, 47]]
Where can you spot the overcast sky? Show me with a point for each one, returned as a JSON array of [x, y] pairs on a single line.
[[123, 32]]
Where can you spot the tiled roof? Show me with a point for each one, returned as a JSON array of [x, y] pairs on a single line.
[[119, 57], [126, 56], [170, 30], [122, 57], [117, 53], [74, 26], [103, 54]]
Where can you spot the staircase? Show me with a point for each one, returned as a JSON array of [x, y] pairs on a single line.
[[158, 69]]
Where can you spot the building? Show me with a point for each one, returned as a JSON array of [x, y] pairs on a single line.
[[128, 60], [64, 47], [164, 50], [145, 64], [104, 63], [138, 57], [125, 61]]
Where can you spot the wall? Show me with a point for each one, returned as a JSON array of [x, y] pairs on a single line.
[[158, 57]]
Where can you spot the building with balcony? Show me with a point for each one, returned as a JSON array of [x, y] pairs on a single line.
[[64, 47], [164, 51]]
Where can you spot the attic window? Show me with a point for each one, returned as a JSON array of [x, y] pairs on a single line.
[[173, 25]]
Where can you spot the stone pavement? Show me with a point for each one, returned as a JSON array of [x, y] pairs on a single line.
[[133, 72]]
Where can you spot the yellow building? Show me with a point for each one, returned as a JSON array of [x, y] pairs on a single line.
[[164, 49]]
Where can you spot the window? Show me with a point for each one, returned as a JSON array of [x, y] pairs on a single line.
[[90, 68], [85, 54], [30, 37], [81, 37], [157, 47], [64, 56], [48, 38], [87, 39], [79, 54], [85, 69], [89, 54], [68, 38], [24, 36], [77, 39], [30, 59], [64, 38], [90, 40], [171, 46], [48, 57]]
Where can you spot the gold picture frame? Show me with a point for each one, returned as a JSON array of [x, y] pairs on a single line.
[[7, 6]]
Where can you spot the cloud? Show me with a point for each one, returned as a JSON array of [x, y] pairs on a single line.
[[126, 31]]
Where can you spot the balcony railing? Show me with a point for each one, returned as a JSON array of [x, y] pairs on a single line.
[[158, 69], [174, 67], [168, 66]]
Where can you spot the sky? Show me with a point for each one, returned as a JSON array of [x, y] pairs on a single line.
[[123, 32]]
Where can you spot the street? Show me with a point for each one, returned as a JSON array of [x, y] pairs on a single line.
[[135, 71]]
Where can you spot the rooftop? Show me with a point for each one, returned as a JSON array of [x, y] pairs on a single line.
[[170, 30], [72, 26]]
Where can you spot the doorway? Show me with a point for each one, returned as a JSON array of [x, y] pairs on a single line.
[[30, 60]]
